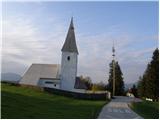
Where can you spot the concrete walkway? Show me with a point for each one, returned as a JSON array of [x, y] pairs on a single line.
[[118, 109]]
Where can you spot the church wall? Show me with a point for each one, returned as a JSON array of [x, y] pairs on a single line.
[[49, 83], [68, 70], [38, 71]]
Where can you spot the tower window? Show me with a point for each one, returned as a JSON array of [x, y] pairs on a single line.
[[68, 58]]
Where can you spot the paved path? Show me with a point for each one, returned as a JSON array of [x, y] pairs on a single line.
[[118, 109]]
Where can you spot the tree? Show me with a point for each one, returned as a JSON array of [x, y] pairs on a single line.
[[119, 84], [152, 81], [99, 86], [148, 86], [134, 90], [141, 87], [87, 81]]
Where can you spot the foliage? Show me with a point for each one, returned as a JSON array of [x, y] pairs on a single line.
[[22, 102], [148, 85], [146, 109], [134, 91], [119, 83], [87, 81], [98, 87]]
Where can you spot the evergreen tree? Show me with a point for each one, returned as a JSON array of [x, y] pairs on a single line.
[[134, 90], [155, 66], [141, 87], [119, 84], [152, 81], [148, 86], [110, 80]]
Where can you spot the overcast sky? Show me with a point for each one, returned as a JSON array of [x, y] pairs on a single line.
[[34, 32]]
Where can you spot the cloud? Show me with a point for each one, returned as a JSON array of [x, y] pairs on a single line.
[[95, 56], [24, 43]]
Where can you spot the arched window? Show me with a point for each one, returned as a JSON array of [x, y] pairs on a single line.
[[68, 58]]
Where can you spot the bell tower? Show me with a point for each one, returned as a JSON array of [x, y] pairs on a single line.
[[69, 60]]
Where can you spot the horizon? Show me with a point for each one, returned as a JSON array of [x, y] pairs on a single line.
[[41, 29]]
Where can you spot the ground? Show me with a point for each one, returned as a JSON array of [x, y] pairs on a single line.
[[22, 102], [118, 109], [148, 110]]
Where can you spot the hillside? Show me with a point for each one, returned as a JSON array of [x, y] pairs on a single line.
[[23, 102], [10, 77], [130, 85]]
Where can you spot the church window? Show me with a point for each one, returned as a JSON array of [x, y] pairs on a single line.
[[68, 58], [48, 82]]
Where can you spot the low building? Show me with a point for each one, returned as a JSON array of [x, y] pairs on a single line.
[[42, 75]]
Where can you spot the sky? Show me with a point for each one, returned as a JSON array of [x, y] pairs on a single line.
[[34, 32]]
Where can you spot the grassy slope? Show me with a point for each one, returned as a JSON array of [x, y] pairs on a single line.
[[148, 110], [21, 102]]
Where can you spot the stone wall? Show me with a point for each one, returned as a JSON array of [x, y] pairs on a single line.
[[87, 96]]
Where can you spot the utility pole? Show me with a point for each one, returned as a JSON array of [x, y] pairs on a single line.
[[113, 50]]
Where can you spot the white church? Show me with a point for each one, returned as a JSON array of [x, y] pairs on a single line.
[[57, 76]]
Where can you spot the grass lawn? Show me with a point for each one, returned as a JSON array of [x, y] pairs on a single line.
[[22, 102], [146, 109]]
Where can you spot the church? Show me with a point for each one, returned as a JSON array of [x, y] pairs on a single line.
[[57, 76]]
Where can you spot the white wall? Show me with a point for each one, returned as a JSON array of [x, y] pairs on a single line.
[[55, 85], [37, 71], [52, 84], [80, 90], [68, 70]]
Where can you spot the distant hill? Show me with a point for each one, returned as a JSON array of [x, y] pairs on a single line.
[[10, 77], [130, 85]]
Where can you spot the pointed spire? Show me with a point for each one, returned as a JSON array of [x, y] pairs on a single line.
[[71, 24], [70, 42]]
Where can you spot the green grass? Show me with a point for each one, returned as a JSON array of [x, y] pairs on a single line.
[[22, 102], [146, 109]]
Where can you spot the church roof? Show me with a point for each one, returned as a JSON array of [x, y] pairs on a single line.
[[39, 71], [70, 42]]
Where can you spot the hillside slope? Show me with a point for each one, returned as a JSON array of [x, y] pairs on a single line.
[[22, 102], [10, 77]]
